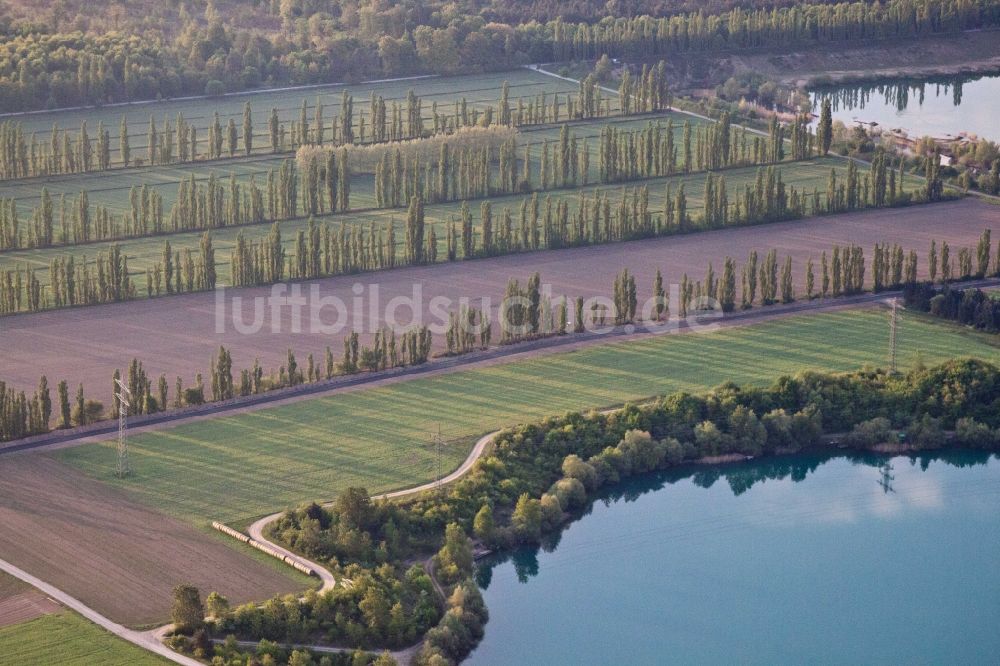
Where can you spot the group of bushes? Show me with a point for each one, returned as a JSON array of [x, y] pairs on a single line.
[[385, 606], [970, 307]]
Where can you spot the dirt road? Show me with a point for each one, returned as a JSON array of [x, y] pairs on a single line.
[[143, 640]]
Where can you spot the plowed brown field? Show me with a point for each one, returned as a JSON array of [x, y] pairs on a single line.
[[19, 602], [115, 555]]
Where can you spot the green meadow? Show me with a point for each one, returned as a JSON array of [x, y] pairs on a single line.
[[242, 466], [69, 640]]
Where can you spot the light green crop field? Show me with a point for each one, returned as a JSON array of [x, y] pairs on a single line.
[[68, 640], [144, 253], [479, 91], [246, 465], [111, 189]]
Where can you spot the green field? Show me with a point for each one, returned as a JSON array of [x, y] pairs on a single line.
[[143, 253], [241, 466], [479, 90], [68, 640], [111, 188]]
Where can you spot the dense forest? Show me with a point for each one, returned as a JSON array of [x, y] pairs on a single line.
[[134, 54]]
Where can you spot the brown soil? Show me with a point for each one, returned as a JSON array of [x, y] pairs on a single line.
[[116, 556], [25, 606], [176, 335]]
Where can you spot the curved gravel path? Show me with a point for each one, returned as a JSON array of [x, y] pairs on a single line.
[[256, 531]]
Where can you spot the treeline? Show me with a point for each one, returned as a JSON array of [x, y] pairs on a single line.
[[389, 606], [321, 250], [748, 28], [969, 307], [41, 68], [525, 313], [22, 415], [539, 476], [357, 611], [177, 140]]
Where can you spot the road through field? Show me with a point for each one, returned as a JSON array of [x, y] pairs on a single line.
[[142, 639], [256, 531], [178, 335]]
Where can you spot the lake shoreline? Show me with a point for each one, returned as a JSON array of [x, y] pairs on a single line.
[[528, 561]]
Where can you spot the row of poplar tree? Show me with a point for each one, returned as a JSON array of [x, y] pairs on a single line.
[[526, 313], [324, 250], [22, 415], [323, 184], [638, 38], [63, 151]]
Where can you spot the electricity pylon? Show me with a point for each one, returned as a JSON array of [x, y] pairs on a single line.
[[122, 395], [438, 446], [893, 327]]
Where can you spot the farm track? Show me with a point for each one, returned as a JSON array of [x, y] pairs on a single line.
[[145, 640]]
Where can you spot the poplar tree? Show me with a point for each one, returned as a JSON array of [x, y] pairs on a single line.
[[247, 129], [787, 291], [275, 129], [726, 289], [80, 413], [64, 406], [415, 232], [123, 143], [659, 296]]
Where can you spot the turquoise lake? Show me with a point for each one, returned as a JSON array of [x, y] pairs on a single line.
[[938, 108], [796, 560]]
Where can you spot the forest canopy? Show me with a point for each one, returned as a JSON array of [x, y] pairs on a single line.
[[72, 56]]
